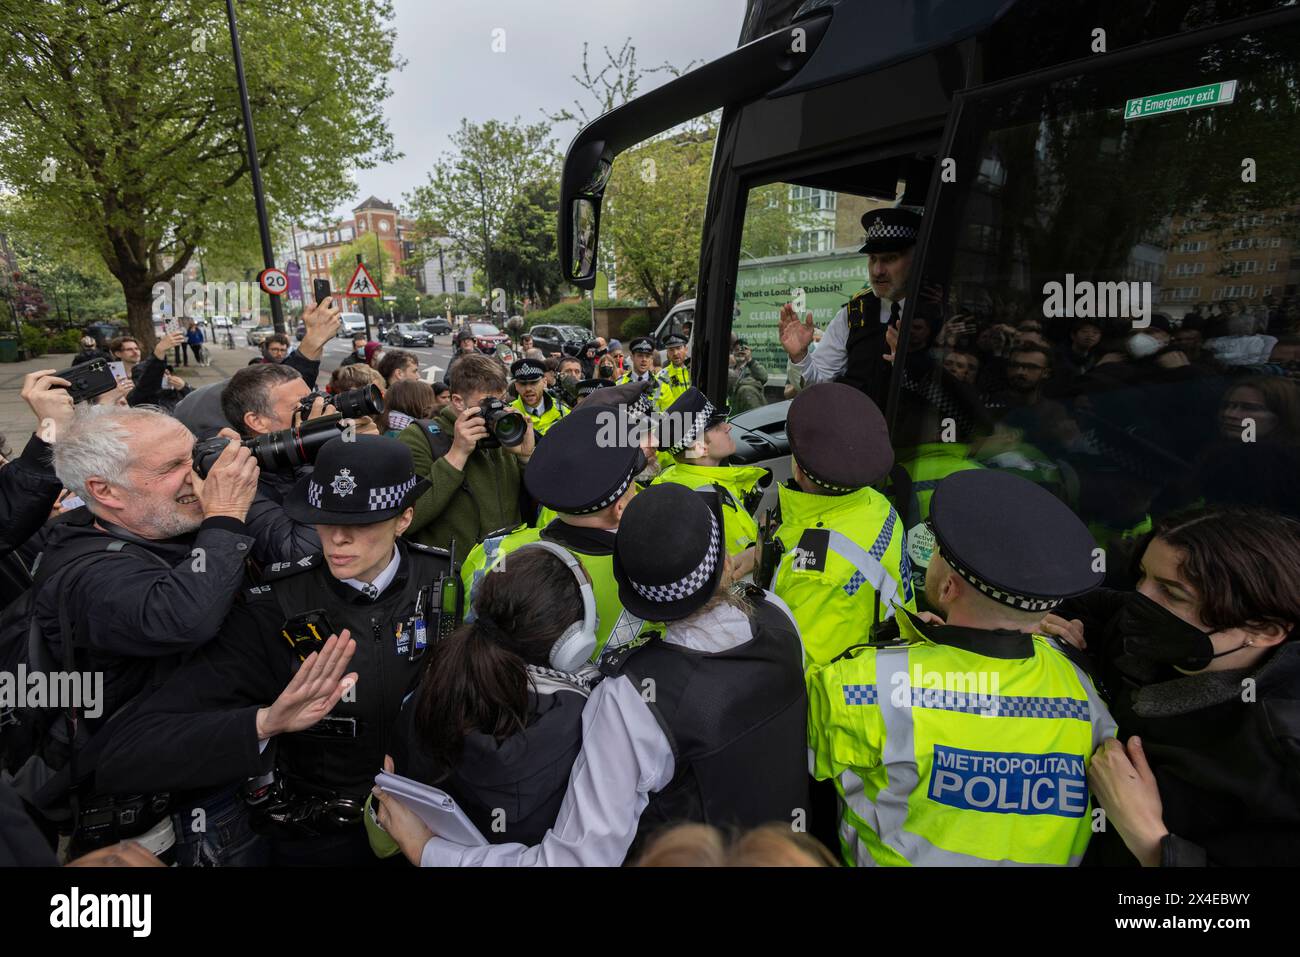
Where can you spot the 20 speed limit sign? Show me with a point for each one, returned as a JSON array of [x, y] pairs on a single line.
[[274, 281]]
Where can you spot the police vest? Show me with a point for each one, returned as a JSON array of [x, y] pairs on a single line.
[[594, 548], [342, 752], [659, 391], [736, 721], [864, 347], [552, 412], [839, 552], [676, 380], [968, 749], [740, 489]]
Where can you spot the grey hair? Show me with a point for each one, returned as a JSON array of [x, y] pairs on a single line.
[[97, 444]]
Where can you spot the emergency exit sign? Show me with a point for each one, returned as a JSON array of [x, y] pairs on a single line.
[[1193, 98]]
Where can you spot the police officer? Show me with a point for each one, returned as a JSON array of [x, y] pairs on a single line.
[[853, 347], [722, 737], [534, 401], [698, 436], [676, 376], [643, 352], [842, 557], [969, 745], [586, 481], [381, 595]]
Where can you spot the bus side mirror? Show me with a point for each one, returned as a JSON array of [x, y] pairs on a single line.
[[585, 217]]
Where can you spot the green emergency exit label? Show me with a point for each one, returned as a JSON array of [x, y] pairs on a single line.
[[1193, 98]]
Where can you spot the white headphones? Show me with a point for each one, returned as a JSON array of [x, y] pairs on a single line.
[[577, 644]]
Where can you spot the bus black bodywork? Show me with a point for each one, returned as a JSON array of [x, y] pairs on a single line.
[[1011, 124]]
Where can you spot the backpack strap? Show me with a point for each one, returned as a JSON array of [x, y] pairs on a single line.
[[439, 441]]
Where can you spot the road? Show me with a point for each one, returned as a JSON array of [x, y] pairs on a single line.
[[336, 350]]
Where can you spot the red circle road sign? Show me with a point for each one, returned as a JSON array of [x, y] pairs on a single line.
[[274, 281]]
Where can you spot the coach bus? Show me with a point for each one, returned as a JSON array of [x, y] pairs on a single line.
[[1052, 146]]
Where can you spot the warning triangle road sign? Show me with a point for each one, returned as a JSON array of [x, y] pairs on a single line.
[[361, 285]]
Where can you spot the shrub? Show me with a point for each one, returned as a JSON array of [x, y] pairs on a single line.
[[34, 341], [67, 341], [562, 314], [641, 324]]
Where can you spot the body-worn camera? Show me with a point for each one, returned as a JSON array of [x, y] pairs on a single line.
[[89, 379], [506, 426], [276, 451], [353, 404]]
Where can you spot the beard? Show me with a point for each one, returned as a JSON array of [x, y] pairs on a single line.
[[169, 520], [651, 469]]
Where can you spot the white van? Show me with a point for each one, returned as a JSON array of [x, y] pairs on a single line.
[[351, 323]]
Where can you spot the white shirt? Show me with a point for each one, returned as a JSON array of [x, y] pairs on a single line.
[[625, 758], [382, 580], [829, 359]]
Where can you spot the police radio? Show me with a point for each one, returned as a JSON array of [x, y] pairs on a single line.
[[770, 549]]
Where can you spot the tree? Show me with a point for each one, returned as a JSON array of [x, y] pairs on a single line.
[[613, 84], [525, 260], [472, 189], [406, 295], [121, 131], [345, 263]]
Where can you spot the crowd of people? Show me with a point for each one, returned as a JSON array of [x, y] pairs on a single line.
[[541, 587]]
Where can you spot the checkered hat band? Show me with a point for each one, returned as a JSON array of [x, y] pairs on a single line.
[[880, 230], [1002, 597], [530, 372], [314, 491], [696, 428], [829, 486], [610, 499], [692, 583], [390, 496]]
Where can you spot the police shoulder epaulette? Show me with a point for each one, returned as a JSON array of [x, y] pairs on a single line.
[[428, 549], [503, 532], [277, 570], [613, 660], [862, 293]]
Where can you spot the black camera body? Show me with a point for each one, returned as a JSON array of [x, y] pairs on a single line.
[[280, 451], [506, 426], [88, 380], [353, 404]]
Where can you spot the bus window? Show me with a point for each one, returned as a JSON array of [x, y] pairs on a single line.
[[1119, 257], [798, 243]]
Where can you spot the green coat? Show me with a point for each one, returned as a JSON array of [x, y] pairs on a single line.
[[465, 506]]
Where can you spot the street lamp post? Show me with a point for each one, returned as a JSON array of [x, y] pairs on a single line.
[[254, 168]]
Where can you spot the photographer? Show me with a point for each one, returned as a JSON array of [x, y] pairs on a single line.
[[209, 725], [474, 485], [746, 379], [145, 577], [258, 400]]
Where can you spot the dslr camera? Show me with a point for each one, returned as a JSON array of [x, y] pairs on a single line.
[[506, 426], [280, 451], [353, 404]]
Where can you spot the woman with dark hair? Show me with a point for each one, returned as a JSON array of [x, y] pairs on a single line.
[[1201, 669], [496, 721]]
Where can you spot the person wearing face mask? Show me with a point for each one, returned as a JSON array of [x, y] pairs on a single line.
[[1202, 671], [968, 745], [358, 353]]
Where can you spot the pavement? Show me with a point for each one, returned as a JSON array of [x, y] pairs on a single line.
[[17, 422]]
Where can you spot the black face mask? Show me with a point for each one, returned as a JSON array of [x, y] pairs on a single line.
[[1154, 633]]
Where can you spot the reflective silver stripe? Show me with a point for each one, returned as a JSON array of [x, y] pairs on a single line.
[[853, 794], [870, 568]]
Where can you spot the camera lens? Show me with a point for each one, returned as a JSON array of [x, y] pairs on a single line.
[[357, 403], [290, 448]]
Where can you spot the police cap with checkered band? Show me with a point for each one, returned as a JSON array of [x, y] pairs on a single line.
[[669, 552], [1016, 542], [586, 463], [687, 419], [838, 437], [360, 481], [890, 230]]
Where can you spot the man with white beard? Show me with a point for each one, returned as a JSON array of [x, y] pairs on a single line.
[[140, 577]]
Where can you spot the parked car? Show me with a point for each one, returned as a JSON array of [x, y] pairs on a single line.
[[552, 338], [257, 335], [351, 323], [437, 327], [487, 336], [104, 332], [407, 334]]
